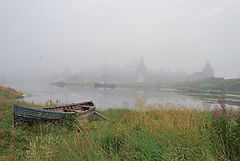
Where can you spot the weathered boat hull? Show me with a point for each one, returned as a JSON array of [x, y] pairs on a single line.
[[30, 115]]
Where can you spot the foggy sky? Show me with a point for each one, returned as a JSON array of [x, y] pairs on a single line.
[[180, 35]]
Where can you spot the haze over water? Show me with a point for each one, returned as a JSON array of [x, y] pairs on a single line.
[[92, 41], [42, 37]]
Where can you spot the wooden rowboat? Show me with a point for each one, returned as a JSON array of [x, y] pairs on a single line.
[[29, 115]]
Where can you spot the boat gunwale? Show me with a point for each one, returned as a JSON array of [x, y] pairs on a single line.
[[74, 104], [40, 109]]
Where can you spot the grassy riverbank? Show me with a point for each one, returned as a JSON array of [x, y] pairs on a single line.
[[145, 133], [9, 93], [230, 85], [210, 89]]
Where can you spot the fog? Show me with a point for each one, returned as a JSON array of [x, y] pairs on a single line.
[[42, 37]]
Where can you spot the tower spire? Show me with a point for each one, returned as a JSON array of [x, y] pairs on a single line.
[[208, 70], [141, 68]]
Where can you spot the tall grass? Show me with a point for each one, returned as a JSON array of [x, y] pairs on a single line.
[[129, 136]]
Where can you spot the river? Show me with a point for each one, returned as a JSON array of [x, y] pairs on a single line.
[[109, 98]]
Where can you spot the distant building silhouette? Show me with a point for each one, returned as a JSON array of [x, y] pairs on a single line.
[[141, 74], [207, 72], [141, 71], [141, 68]]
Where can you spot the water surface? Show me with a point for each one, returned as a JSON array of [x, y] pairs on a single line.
[[109, 98]]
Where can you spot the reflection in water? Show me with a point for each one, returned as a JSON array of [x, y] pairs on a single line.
[[110, 98]]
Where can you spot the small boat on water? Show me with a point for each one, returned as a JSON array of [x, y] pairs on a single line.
[[29, 115], [58, 83], [104, 85]]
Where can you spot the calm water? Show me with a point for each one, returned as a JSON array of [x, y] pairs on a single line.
[[108, 98]]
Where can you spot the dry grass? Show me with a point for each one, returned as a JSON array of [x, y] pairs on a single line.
[[131, 135]]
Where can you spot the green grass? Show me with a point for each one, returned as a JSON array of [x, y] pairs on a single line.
[[145, 133]]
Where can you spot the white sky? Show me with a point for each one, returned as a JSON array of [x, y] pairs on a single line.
[[181, 35]]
